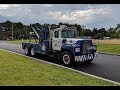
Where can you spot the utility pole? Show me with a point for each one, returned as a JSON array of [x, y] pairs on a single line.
[[12, 30], [83, 29]]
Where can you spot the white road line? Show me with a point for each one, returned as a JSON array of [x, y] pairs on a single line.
[[66, 68]]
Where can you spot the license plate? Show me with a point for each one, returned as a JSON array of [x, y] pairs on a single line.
[[83, 58]]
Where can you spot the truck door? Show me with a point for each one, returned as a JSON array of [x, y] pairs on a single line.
[[56, 41]]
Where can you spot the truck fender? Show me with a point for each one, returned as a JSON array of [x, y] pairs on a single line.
[[63, 50]]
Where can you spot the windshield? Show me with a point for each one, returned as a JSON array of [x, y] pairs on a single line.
[[68, 34]]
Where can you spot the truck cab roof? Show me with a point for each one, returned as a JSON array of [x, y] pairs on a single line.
[[65, 28]]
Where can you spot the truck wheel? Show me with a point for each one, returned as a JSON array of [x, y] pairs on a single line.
[[67, 59], [32, 52], [26, 51]]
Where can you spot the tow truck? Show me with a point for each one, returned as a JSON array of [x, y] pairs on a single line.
[[62, 43]]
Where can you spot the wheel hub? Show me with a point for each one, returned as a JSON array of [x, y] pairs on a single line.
[[32, 51], [26, 50], [66, 59]]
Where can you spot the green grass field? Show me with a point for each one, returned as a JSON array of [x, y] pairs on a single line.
[[16, 70], [20, 41], [109, 48]]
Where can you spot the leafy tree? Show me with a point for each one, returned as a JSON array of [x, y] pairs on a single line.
[[79, 29], [1, 33], [112, 32], [60, 23], [88, 32], [94, 31], [98, 36], [118, 30], [20, 30]]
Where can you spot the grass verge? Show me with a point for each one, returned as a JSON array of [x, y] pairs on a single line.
[[109, 48], [16, 70], [20, 41]]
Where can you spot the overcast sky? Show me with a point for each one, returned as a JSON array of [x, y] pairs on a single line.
[[90, 15]]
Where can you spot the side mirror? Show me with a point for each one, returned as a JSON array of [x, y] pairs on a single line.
[[40, 40], [64, 40]]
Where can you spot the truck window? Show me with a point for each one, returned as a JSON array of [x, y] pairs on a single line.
[[68, 34], [56, 34], [47, 35]]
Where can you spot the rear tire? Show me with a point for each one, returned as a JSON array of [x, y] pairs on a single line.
[[67, 59], [26, 51], [32, 52]]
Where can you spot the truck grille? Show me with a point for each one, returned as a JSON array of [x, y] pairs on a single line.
[[85, 46]]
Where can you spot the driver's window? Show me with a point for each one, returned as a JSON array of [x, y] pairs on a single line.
[[63, 34], [56, 34]]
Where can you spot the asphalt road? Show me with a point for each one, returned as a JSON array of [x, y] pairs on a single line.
[[106, 66]]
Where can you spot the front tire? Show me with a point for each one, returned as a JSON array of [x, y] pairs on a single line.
[[67, 59]]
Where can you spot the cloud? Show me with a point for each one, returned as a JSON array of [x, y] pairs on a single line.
[[90, 15], [47, 5], [7, 6], [3, 18], [79, 16], [4, 6]]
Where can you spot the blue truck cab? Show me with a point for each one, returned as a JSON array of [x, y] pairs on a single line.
[[62, 42]]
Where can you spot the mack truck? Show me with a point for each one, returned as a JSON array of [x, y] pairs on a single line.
[[62, 43]]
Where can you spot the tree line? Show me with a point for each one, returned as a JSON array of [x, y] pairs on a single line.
[[20, 30]]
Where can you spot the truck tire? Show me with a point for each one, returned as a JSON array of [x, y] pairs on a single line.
[[26, 51], [32, 52], [67, 59]]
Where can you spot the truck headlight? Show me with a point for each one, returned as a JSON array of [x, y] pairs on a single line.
[[77, 49], [94, 47], [69, 42]]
